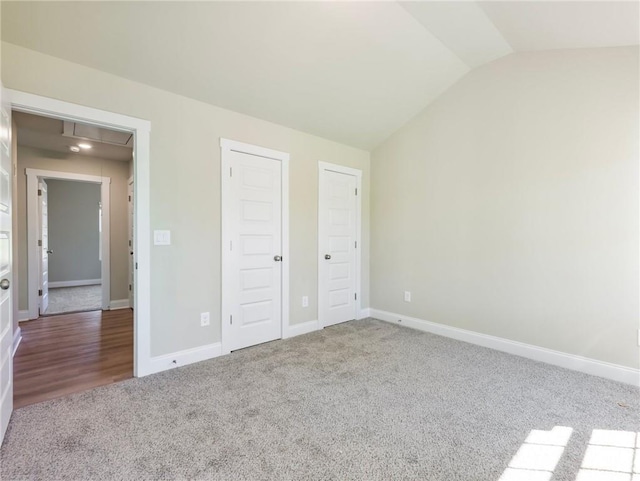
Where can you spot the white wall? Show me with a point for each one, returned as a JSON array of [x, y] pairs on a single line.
[[74, 235], [118, 171], [510, 206], [185, 189]]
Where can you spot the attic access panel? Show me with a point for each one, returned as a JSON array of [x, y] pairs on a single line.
[[97, 134]]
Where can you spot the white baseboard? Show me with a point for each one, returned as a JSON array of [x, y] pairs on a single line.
[[364, 313], [302, 328], [17, 337], [85, 282], [119, 304], [607, 370], [202, 353], [23, 316], [183, 358]]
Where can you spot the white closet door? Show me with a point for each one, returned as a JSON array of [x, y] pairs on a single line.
[[337, 247], [255, 226]]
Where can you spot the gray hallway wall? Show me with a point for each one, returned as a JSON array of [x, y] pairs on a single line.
[[73, 231]]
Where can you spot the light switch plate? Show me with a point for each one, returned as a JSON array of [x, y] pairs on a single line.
[[162, 237]]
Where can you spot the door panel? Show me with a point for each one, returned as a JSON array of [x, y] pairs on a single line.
[[337, 247], [6, 310], [44, 250], [256, 239], [131, 244]]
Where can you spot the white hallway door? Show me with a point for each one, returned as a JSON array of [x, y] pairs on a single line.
[[6, 310], [254, 275], [131, 244], [338, 245], [43, 243]]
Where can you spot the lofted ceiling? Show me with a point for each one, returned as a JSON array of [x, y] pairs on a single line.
[[353, 72], [52, 134]]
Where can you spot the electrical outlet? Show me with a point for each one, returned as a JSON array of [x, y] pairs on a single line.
[[204, 319], [407, 296], [305, 301]]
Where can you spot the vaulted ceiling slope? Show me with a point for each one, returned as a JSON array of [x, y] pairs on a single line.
[[353, 72]]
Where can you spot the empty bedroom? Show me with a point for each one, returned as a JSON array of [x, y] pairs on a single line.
[[364, 240]]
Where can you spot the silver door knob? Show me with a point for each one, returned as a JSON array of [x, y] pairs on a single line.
[[4, 284], [277, 258], [50, 251], [327, 256]]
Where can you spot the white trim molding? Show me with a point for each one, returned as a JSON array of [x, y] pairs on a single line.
[[59, 109], [23, 316], [586, 365], [301, 328], [227, 146], [243, 148], [17, 337], [364, 313], [80, 283], [183, 358], [210, 351], [357, 173], [36, 104], [114, 305], [34, 176]]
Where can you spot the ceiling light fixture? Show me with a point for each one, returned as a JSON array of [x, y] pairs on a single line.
[[84, 146], [74, 148]]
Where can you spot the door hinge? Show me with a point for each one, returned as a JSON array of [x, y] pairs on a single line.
[[129, 243], [39, 243], [39, 191], [136, 265], [356, 191], [356, 244], [39, 292], [230, 171], [231, 320], [355, 296], [129, 287], [129, 198], [230, 245]]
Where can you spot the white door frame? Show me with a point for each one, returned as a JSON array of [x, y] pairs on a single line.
[[227, 146], [322, 166], [33, 232], [38, 105]]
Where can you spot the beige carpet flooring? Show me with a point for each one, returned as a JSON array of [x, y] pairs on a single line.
[[72, 299], [365, 400]]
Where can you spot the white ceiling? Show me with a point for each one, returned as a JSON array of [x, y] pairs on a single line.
[[463, 27], [46, 133], [353, 72], [546, 25]]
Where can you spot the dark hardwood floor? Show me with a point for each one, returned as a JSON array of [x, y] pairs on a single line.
[[69, 353]]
